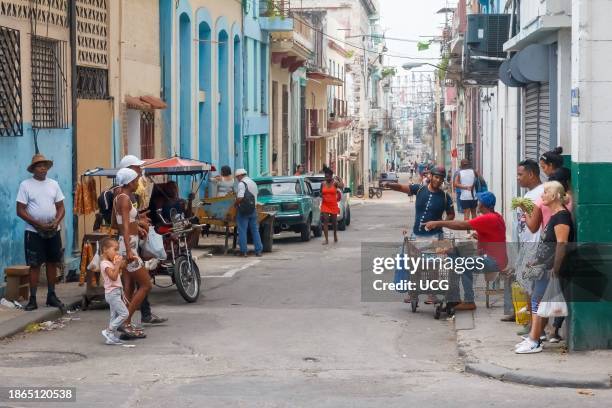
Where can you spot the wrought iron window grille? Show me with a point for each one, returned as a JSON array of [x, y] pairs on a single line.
[[49, 84], [11, 119], [92, 83]]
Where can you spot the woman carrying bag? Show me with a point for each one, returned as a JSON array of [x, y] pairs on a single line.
[[548, 260]]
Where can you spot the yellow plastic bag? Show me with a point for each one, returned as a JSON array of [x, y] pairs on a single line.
[[520, 299]]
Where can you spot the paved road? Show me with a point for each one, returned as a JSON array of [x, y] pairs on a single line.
[[288, 330]]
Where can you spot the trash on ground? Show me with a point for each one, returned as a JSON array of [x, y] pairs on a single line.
[[7, 304], [590, 393], [32, 327], [129, 345]]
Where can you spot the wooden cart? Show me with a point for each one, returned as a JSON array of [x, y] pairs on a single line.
[[220, 212]]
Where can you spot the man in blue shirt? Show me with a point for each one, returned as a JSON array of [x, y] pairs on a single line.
[[431, 202]]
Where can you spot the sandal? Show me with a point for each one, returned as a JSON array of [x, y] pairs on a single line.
[[133, 332]]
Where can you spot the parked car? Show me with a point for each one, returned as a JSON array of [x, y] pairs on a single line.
[[387, 178], [344, 218], [295, 204]]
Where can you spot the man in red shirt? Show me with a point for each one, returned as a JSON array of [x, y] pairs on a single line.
[[491, 235]]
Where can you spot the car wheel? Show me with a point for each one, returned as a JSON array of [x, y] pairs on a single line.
[[318, 230], [305, 229], [341, 225], [347, 217]]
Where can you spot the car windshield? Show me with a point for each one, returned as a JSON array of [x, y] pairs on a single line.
[[316, 182], [289, 187]]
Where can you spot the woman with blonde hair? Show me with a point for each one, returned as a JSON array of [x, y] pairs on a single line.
[[548, 259]]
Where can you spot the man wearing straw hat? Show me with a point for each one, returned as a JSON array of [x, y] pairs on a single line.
[[40, 203]]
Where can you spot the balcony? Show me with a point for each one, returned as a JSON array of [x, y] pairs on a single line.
[[275, 15], [292, 48]]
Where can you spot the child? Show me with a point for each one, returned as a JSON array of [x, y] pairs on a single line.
[[110, 266]]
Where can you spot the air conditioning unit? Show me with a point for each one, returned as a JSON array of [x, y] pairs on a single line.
[[483, 47]]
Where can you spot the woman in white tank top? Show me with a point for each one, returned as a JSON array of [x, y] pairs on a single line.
[[464, 180], [126, 220]]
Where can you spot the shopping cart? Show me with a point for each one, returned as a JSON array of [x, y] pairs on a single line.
[[433, 253]]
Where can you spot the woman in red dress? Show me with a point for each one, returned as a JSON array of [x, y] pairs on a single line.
[[330, 191]]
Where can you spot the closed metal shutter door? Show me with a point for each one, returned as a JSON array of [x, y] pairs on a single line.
[[537, 120]]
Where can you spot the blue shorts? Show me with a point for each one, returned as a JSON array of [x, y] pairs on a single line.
[[539, 288]]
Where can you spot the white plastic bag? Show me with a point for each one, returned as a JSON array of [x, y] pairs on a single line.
[[553, 303], [153, 245], [94, 265]]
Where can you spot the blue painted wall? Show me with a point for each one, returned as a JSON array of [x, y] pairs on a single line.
[[256, 122], [205, 78], [165, 47], [16, 153], [237, 102], [185, 92], [223, 123]]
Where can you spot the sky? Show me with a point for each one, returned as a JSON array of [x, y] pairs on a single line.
[[410, 19]]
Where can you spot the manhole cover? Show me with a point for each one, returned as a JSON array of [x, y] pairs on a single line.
[[39, 358], [311, 359]]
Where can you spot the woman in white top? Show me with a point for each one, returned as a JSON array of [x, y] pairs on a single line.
[[225, 182], [464, 180], [126, 219]]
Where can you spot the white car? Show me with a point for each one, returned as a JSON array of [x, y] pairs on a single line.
[[344, 218]]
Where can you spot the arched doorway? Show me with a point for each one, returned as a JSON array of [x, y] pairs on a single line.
[[205, 81], [185, 84]]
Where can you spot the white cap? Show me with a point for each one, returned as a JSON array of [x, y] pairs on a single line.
[[125, 176], [240, 172], [130, 160]]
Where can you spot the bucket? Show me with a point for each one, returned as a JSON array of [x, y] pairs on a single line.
[[520, 300]]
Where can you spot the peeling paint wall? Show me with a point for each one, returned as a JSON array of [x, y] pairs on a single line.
[[16, 154]]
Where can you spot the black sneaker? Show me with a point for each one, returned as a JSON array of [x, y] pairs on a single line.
[[154, 319], [53, 301], [32, 305]]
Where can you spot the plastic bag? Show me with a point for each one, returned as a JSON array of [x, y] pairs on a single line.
[[553, 303], [154, 245], [94, 265]]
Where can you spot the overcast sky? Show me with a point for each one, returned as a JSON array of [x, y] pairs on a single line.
[[410, 19]]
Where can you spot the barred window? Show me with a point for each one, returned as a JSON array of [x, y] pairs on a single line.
[[49, 84], [92, 83], [11, 120], [147, 134]]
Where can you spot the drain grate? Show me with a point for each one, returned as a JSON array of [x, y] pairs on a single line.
[[39, 358]]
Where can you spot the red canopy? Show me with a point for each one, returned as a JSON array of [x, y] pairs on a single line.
[[176, 165]]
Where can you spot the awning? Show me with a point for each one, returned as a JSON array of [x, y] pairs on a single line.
[[176, 165], [146, 102], [325, 78], [154, 101]]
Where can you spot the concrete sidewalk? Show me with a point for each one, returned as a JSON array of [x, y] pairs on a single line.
[[14, 321], [487, 347]]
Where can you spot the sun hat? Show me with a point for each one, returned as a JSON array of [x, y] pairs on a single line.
[[240, 172], [39, 158], [487, 199], [125, 176], [130, 160]]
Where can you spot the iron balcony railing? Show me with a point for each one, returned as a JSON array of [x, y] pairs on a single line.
[[274, 8]]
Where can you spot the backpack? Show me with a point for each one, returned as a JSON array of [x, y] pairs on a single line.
[[247, 204], [480, 185], [105, 204]]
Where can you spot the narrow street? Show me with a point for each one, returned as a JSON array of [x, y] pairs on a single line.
[[288, 329]]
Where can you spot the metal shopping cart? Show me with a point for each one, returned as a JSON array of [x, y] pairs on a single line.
[[432, 270]]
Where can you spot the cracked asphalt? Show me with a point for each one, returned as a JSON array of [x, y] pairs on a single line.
[[289, 330]]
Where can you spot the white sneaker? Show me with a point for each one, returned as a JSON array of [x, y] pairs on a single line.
[[151, 264], [517, 345], [528, 347], [110, 338]]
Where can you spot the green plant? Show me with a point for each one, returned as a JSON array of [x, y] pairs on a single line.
[[388, 71]]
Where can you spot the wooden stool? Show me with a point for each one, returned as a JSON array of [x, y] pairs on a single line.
[[17, 279]]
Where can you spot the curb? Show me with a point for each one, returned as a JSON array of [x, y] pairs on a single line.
[[537, 378], [18, 324]]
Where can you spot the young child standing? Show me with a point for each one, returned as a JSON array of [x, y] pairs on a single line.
[[110, 266]]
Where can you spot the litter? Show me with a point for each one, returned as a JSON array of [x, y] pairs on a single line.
[[7, 304], [586, 392], [128, 345]]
